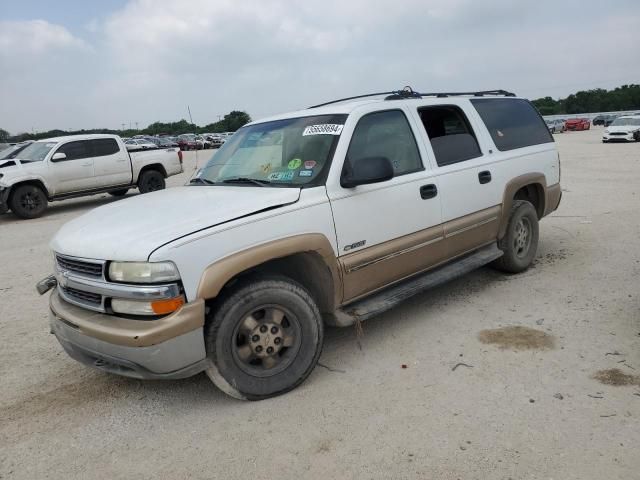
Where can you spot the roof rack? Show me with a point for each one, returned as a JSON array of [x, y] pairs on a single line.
[[407, 92]]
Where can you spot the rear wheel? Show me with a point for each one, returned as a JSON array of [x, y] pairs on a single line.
[[264, 338], [119, 193], [520, 241], [151, 181], [28, 201]]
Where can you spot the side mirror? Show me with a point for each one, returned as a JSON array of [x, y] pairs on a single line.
[[58, 156], [367, 170]]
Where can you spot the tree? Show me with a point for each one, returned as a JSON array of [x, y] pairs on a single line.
[[626, 97], [4, 135]]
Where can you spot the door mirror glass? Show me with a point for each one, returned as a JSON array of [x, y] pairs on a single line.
[[364, 171], [58, 156]]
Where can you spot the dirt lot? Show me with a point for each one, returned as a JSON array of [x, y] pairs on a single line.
[[506, 377]]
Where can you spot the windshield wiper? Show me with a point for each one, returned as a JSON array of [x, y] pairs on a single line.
[[254, 181], [201, 181]]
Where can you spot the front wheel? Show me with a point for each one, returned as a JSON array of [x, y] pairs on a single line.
[[28, 201], [151, 181], [264, 338], [520, 241]]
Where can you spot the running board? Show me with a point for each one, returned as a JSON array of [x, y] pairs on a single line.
[[390, 297]]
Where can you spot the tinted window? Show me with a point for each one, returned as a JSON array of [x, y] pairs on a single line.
[[75, 150], [104, 146], [452, 138], [386, 134], [512, 123]]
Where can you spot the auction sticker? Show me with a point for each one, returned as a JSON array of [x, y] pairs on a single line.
[[305, 173], [309, 164], [324, 129]]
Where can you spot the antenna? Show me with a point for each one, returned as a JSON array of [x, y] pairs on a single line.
[[195, 167]]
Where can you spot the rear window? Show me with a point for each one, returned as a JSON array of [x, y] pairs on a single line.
[[512, 122], [104, 146]]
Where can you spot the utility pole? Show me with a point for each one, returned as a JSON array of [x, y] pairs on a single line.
[[123, 126], [136, 125]]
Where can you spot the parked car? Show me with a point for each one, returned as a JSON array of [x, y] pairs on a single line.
[[12, 151], [187, 141], [202, 142], [161, 142], [604, 120], [623, 129], [216, 141], [577, 124], [555, 126], [294, 225], [134, 144], [80, 165]]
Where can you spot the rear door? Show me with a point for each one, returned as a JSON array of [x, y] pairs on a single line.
[[75, 172], [390, 230], [111, 164], [471, 184]]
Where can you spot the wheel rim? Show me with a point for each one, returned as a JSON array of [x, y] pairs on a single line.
[[30, 202], [266, 341], [522, 237], [153, 184]]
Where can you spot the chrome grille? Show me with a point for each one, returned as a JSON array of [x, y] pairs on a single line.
[[84, 297], [80, 267]]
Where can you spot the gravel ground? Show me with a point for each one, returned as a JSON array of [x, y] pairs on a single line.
[[506, 376]]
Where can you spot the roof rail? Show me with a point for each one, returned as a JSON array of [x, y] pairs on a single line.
[[407, 92]]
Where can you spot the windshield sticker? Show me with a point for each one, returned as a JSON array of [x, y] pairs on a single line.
[[305, 173], [309, 164], [266, 168], [324, 129], [280, 176], [294, 164]]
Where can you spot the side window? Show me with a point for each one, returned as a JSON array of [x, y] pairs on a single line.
[[450, 133], [75, 150], [386, 134], [104, 146], [512, 122]]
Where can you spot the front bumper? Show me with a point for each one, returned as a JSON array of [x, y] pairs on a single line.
[[627, 137], [168, 348]]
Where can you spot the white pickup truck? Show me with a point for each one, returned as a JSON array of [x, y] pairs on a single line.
[[327, 215], [80, 165]]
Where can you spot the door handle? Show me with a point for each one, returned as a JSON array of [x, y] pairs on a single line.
[[428, 191], [484, 176]]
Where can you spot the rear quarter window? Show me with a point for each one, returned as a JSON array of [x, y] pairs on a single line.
[[512, 122]]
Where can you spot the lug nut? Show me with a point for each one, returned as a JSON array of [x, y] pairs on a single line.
[[274, 330], [269, 350], [259, 348], [277, 340], [264, 328], [255, 338]]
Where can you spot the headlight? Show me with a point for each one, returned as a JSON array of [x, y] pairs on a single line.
[[606, 130], [143, 272]]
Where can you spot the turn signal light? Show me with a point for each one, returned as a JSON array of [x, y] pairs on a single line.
[[163, 307]]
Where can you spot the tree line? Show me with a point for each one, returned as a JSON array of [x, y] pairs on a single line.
[[229, 123], [626, 97]]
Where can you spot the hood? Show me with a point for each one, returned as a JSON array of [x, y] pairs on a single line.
[[131, 229], [622, 128]]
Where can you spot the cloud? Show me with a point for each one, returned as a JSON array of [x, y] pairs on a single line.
[[150, 59], [35, 37]]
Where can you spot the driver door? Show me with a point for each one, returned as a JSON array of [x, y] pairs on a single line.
[[75, 172], [389, 230]]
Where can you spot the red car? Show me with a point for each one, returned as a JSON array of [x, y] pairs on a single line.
[[577, 124]]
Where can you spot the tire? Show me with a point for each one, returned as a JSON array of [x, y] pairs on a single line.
[[28, 201], [261, 314], [119, 193], [520, 241], [151, 181]]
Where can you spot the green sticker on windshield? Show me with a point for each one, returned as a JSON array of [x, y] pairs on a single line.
[[294, 164]]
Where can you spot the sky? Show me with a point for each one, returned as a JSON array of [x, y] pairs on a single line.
[[74, 64]]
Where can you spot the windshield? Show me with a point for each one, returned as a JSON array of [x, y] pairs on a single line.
[[36, 151], [625, 121], [291, 152]]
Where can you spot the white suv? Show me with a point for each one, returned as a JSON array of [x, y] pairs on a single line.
[[327, 215]]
